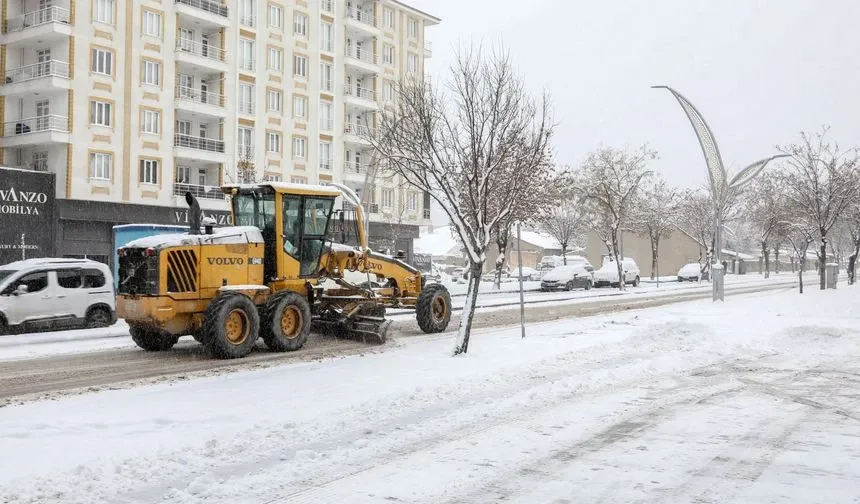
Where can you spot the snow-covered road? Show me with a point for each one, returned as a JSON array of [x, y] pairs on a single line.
[[753, 400]]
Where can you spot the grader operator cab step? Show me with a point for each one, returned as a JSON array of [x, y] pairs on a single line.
[[262, 277]]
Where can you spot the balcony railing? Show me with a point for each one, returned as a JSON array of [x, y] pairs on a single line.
[[248, 20], [325, 164], [353, 167], [365, 55], [209, 6], [198, 143], [327, 5], [36, 125], [245, 152], [38, 18], [356, 129], [360, 92], [326, 85], [200, 49], [249, 65], [199, 191], [326, 124], [186, 93], [361, 15], [52, 68], [246, 107]]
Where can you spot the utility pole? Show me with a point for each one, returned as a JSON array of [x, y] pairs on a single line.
[[520, 263]]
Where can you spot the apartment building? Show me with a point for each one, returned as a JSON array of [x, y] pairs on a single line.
[[131, 103]]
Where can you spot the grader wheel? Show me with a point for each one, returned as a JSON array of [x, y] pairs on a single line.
[[231, 325], [152, 341], [286, 322], [433, 309]]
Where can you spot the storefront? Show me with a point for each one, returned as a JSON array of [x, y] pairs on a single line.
[[26, 214]]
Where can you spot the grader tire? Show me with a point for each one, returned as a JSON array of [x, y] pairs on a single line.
[[433, 309], [231, 325], [152, 341], [286, 322]]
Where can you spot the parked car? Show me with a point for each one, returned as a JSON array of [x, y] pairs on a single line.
[[692, 272], [528, 273], [52, 294], [582, 261], [608, 273], [572, 276]]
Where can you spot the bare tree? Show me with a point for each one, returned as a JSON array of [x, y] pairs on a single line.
[[822, 181], [566, 221], [613, 178], [657, 216], [764, 208], [851, 219], [484, 141]]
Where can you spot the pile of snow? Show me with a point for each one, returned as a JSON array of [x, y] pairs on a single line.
[[441, 242]]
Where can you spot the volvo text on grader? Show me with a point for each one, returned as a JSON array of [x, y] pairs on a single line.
[[264, 276]]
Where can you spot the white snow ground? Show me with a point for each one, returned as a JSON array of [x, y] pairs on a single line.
[[753, 400]]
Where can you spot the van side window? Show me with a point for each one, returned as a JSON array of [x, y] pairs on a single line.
[[93, 279], [69, 278], [34, 282]]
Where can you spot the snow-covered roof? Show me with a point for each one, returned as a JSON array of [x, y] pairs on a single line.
[[739, 255], [290, 187], [440, 242], [225, 235], [47, 261], [540, 240]]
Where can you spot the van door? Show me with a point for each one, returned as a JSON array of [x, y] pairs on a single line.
[[69, 295], [30, 306]]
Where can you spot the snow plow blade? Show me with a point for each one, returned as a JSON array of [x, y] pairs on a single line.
[[373, 330]]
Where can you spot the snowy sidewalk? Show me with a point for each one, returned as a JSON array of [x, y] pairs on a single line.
[[753, 400]]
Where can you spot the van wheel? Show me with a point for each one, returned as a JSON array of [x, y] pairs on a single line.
[[588, 285], [98, 317], [152, 341], [636, 281], [569, 286]]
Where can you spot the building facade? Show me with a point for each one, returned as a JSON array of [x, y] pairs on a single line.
[[131, 103]]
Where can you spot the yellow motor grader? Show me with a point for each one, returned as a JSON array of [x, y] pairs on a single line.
[[266, 276]]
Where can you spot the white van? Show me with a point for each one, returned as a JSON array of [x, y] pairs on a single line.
[[50, 294]]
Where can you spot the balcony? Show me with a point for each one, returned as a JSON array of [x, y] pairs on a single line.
[[209, 11], [199, 148], [38, 77], [36, 130], [201, 55], [199, 191], [360, 19], [361, 58], [198, 101], [48, 25], [360, 96], [356, 134], [354, 170]]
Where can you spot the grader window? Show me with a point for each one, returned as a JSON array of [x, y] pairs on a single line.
[[317, 212]]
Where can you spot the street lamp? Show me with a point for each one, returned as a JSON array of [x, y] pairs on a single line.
[[722, 188]]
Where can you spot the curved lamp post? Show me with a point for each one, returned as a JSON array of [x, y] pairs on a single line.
[[722, 188]]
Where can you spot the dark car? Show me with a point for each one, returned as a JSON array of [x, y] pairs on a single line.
[[567, 278]]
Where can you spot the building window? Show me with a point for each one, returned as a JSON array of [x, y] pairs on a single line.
[[148, 171], [100, 165], [247, 15], [388, 198], [326, 36], [300, 107], [183, 174], [300, 66], [276, 16], [388, 91], [100, 113], [102, 61], [325, 156], [40, 161], [412, 201], [300, 25], [151, 72], [412, 63], [150, 122], [152, 24], [298, 180], [272, 178], [273, 142], [388, 55], [246, 54], [103, 11], [412, 28], [274, 100], [326, 77], [326, 115], [246, 98], [276, 59], [299, 147], [389, 18], [245, 143]]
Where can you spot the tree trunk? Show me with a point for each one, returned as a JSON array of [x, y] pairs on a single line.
[[766, 257], [655, 243], [800, 278], [502, 244], [822, 264], [465, 328], [776, 260], [852, 263], [564, 253], [617, 260]]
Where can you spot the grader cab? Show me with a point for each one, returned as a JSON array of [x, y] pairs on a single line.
[[275, 273]]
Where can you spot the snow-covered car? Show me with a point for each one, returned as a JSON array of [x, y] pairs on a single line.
[[528, 273], [579, 260], [491, 276], [608, 273], [692, 272], [51, 294], [572, 276]]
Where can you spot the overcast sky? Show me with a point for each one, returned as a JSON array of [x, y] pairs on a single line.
[[759, 71]]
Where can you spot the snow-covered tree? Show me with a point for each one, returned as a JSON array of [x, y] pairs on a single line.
[[821, 181], [612, 179], [764, 202], [566, 220], [483, 141], [697, 220], [657, 215], [851, 219]]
